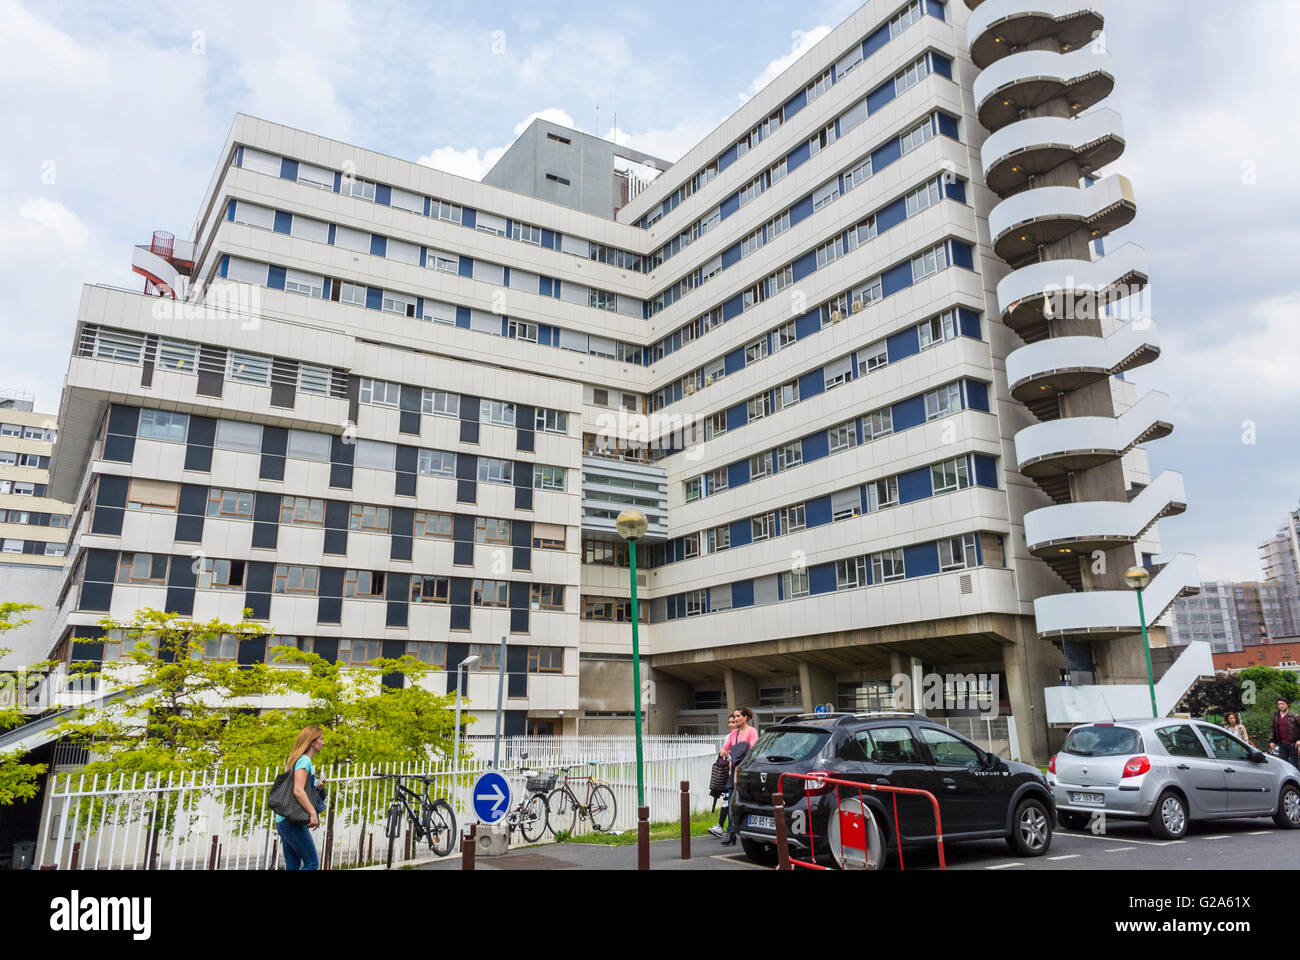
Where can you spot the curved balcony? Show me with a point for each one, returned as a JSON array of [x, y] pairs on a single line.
[[997, 26], [1022, 223], [1023, 293], [1073, 528], [1037, 145], [1114, 613], [1081, 443], [1033, 77], [1062, 364]]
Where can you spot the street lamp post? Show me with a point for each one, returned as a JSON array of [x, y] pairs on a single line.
[[631, 526], [1137, 578], [455, 750]]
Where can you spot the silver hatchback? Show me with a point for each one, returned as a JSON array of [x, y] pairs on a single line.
[[1169, 772]]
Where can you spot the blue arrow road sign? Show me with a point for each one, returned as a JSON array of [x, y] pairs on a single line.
[[822, 709], [491, 796]]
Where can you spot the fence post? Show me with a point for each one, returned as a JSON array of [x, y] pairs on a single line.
[[275, 844], [370, 850], [686, 819], [76, 855], [468, 846], [782, 844], [212, 856], [329, 837], [643, 838]]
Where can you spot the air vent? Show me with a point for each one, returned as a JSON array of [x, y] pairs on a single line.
[[967, 585]]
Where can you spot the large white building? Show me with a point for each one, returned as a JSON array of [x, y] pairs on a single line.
[[393, 410]]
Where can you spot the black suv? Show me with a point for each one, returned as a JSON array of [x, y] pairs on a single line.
[[980, 795]]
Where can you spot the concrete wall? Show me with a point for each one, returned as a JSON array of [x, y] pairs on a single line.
[[19, 583]]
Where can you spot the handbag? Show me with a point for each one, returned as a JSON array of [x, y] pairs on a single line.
[[282, 801]]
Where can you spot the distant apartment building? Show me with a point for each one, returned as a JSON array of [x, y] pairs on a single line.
[[1229, 616], [1279, 556]]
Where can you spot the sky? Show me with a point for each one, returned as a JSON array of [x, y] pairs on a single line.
[[113, 118]]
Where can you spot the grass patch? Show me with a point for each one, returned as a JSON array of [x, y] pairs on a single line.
[[669, 830]]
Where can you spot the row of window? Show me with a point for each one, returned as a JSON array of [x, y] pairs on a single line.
[[9, 458], [40, 548], [44, 434], [34, 518], [382, 393], [23, 488]]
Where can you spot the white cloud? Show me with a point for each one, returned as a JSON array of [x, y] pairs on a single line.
[[463, 163], [56, 217], [802, 42], [553, 114]]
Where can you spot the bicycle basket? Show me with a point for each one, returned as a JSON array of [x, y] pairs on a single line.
[[540, 784]]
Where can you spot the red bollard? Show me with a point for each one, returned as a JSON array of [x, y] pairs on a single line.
[[643, 838], [782, 844]]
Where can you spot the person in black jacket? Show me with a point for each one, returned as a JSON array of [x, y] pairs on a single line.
[[1284, 731]]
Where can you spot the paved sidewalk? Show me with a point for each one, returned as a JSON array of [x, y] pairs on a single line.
[[707, 853]]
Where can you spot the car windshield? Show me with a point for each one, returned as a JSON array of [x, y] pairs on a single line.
[[1103, 741], [786, 746]]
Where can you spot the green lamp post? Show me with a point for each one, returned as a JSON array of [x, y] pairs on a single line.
[[1137, 578], [631, 526]]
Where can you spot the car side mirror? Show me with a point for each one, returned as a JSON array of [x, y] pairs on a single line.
[[1257, 756], [992, 761]]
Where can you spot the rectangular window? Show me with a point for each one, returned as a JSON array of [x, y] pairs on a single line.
[[221, 574], [910, 77], [430, 589], [751, 190], [759, 407], [878, 423], [827, 193], [152, 496], [526, 233], [696, 601], [843, 436], [851, 573], [795, 583], [858, 174], [163, 425], [819, 86], [710, 220], [552, 421], [793, 518], [230, 504], [827, 252], [491, 530], [717, 538], [548, 478], [938, 329], [693, 488], [548, 536], [369, 519], [291, 578], [950, 475], [957, 553], [545, 659], [380, 392], [887, 566], [176, 355], [441, 403], [821, 140], [353, 293], [306, 284], [789, 455], [751, 243], [715, 425], [489, 656], [780, 280], [314, 379], [521, 330], [760, 465], [932, 261], [882, 493], [762, 526], [142, 568], [941, 402], [430, 524], [497, 412], [426, 651], [690, 546], [359, 652], [491, 593], [302, 511], [784, 335], [361, 189], [441, 210], [917, 135], [546, 596], [904, 18], [756, 351], [926, 195], [364, 584], [777, 226], [787, 395], [437, 463], [397, 303], [491, 470]]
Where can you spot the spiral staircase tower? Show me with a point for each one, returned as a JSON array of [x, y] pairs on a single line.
[[1043, 74]]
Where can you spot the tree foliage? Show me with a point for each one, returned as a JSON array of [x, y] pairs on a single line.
[[1209, 696], [17, 779]]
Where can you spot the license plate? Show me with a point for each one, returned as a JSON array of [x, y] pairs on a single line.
[[1094, 798], [757, 821]]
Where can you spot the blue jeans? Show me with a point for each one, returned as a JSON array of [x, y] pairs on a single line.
[[733, 828], [299, 847]]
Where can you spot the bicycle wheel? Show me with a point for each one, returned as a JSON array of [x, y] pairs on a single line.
[[562, 811], [440, 827], [532, 818], [393, 827], [603, 808]]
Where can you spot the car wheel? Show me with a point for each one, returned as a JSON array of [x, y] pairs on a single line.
[[1288, 808], [1169, 818], [1031, 829], [763, 854], [1071, 820]]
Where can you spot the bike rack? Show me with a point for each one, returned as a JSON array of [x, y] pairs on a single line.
[[852, 824]]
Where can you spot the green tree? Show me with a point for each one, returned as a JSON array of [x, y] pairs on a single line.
[[1260, 688], [17, 779], [1215, 695]]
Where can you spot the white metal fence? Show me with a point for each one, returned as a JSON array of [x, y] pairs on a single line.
[[219, 819]]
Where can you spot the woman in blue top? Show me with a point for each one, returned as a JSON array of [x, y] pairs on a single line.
[[296, 838]]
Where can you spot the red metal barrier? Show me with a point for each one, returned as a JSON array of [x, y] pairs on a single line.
[[852, 824]]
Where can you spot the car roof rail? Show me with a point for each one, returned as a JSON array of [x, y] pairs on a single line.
[[910, 714], [800, 717]]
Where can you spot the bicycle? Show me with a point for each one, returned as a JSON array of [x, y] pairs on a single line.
[[435, 823], [532, 813], [564, 807]]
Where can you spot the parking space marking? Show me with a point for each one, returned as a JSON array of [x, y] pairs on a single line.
[[1222, 836], [1116, 849], [1003, 866], [1066, 856], [1258, 833], [1145, 843], [738, 858]]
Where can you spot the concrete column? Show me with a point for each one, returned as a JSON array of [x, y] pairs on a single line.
[[897, 667], [671, 695], [1030, 664], [816, 685], [741, 688]]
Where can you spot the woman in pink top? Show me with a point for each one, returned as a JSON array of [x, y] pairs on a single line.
[[746, 735]]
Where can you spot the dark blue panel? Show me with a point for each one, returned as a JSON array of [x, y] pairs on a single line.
[[383, 194], [914, 485], [802, 209], [225, 265], [941, 65], [798, 155], [374, 298], [734, 361], [740, 533], [884, 156], [275, 278], [935, 8], [468, 217], [986, 471], [969, 322], [338, 184], [730, 205], [119, 449], [549, 239], [815, 447], [921, 560], [288, 169], [903, 344], [730, 255], [821, 578], [795, 104], [977, 395], [727, 159], [733, 307], [239, 156], [378, 245], [948, 125], [817, 512], [811, 384], [804, 265], [896, 278], [909, 413], [466, 267], [123, 421], [283, 222], [330, 240], [742, 592], [957, 190], [545, 286], [737, 473], [737, 416], [809, 323], [876, 40], [880, 96], [891, 216], [962, 256], [462, 317], [230, 212]]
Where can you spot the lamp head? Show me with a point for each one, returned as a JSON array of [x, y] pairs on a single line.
[[470, 660], [1137, 577], [631, 524]]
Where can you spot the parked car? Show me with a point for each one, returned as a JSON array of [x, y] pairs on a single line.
[[980, 795], [1169, 772]]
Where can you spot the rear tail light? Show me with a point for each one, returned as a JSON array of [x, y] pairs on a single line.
[[812, 788], [1051, 765], [1136, 766]]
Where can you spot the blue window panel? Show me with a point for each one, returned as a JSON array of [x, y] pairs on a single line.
[[504, 321], [733, 361], [780, 588], [882, 157], [288, 169], [509, 230], [275, 278], [878, 39], [330, 238], [795, 104], [909, 413], [804, 265], [428, 205], [941, 65], [1100, 247], [948, 125], [730, 205], [548, 239], [742, 592], [811, 384], [821, 578], [230, 211], [378, 245], [466, 268], [896, 278], [935, 8], [732, 308], [338, 181], [283, 222], [239, 156], [468, 217], [505, 276], [815, 447], [545, 285], [961, 254], [727, 159], [225, 265], [424, 256], [817, 513], [857, 425], [374, 298], [730, 255], [325, 290], [969, 323], [801, 210], [979, 551], [383, 194], [544, 334], [921, 560], [708, 601], [862, 495], [914, 485], [462, 317], [977, 395], [880, 96], [986, 471], [903, 344], [891, 216], [740, 533], [738, 473], [808, 324], [797, 156], [737, 416], [957, 190]]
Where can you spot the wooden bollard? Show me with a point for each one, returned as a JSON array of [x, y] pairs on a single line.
[[274, 850], [643, 838], [212, 856], [370, 850], [468, 846], [76, 855], [686, 819], [329, 838], [782, 844]]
